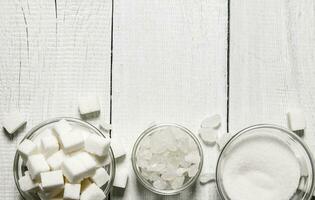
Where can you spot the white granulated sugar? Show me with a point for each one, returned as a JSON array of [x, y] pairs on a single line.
[[264, 166], [167, 158]]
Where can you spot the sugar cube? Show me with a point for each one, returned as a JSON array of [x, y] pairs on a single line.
[[51, 180], [56, 159], [85, 134], [49, 143], [213, 121], [51, 195], [92, 192], [85, 184], [208, 135], [296, 119], [100, 177], [27, 148], [72, 191], [61, 128], [88, 162], [72, 141], [97, 145], [73, 169], [121, 178], [37, 164], [117, 148], [102, 160], [206, 178], [89, 105], [27, 184], [105, 126], [13, 121]]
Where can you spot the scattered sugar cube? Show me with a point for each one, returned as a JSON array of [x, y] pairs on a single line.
[[97, 145], [13, 121], [56, 159], [51, 180], [88, 162], [62, 128], [92, 192], [27, 148], [213, 121], [121, 178], [73, 169], [72, 191], [100, 177], [27, 184], [37, 164], [296, 120], [49, 143], [105, 126], [208, 135], [72, 141], [206, 178], [117, 148], [89, 105]]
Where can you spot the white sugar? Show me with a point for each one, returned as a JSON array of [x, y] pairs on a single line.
[[264, 166], [167, 158]]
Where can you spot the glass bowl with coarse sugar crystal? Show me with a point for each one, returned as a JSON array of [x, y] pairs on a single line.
[[167, 158], [33, 188]]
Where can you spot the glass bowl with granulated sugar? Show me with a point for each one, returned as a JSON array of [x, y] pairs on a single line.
[[265, 162]]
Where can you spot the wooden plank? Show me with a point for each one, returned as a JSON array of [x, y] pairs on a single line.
[[47, 60], [169, 66], [272, 62]]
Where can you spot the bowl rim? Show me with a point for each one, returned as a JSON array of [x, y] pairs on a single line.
[[267, 126], [143, 181], [54, 120]]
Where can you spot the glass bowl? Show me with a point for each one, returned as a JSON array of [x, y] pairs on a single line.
[[151, 130], [289, 140], [34, 134]]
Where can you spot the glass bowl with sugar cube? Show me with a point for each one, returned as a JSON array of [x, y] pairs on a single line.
[[64, 158], [167, 158]]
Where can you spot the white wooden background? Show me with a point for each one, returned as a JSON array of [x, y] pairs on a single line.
[[171, 62]]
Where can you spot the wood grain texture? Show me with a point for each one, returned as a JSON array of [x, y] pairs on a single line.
[[169, 66], [47, 60], [272, 62]]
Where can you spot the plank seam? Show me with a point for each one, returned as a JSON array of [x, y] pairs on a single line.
[[111, 73], [228, 67], [111, 65]]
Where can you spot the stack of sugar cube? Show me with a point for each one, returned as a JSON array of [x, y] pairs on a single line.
[[168, 158], [67, 162]]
